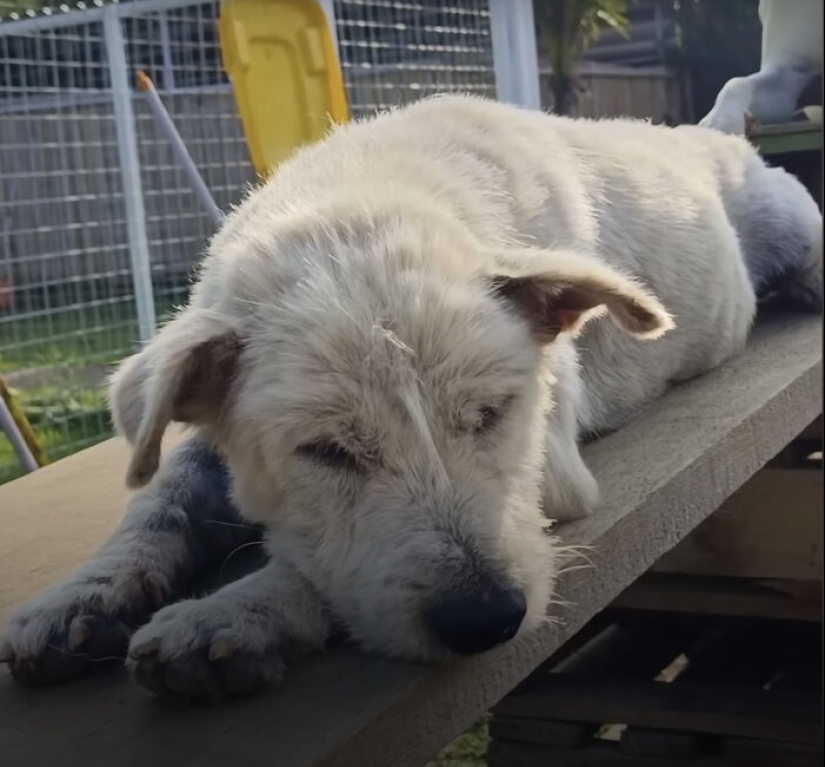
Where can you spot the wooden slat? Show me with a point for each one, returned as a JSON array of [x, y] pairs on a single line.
[[764, 753], [506, 754], [660, 476], [742, 754], [789, 137], [549, 732], [769, 528], [665, 744], [708, 595], [751, 712]]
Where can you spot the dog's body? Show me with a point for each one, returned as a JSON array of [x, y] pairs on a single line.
[[387, 344]]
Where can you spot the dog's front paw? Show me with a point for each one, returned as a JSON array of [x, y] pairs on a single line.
[[209, 648], [570, 490], [82, 623]]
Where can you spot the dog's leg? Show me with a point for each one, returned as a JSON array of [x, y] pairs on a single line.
[[769, 96], [570, 490], [233, 641], [183, 522], [780, 231]]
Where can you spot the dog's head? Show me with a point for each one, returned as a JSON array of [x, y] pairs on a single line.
[[381, 402]]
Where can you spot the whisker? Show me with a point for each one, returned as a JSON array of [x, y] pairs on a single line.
[[89, 658], [573, 568], [232, 554], [231, 524]]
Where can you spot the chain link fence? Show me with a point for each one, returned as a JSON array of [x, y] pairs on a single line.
[[77, 210]]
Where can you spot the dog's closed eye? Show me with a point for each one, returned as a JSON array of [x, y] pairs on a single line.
[[490, 416], [330, 454]]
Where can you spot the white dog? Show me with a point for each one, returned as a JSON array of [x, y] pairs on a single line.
[[791, 58], [380, 358]]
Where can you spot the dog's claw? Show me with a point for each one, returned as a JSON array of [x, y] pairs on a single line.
[[221, 648], [145, 650], [156, 588], [148, 673], [79, 632]]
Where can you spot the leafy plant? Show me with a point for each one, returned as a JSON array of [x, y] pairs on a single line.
[[566, 28]]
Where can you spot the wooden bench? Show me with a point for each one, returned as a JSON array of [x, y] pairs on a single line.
[[660, 477]]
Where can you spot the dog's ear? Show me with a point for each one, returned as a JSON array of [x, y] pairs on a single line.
[[183, 374], [558, 292]]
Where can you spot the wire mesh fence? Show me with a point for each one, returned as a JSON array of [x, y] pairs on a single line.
[[393, 52], [68, 302]]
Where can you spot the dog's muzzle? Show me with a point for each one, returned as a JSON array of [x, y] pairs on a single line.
[[477, 618]]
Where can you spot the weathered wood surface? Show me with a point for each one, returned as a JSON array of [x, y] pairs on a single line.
[[788, 137], [786, 599], [660, 477], [770, 528]]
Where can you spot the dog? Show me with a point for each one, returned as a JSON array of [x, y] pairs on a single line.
[[390, 356], [791, 59]]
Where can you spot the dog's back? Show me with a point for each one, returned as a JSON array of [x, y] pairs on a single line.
[[693, 213]]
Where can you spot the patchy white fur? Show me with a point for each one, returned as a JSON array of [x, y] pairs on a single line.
[[361, 280], [394, 224], [247, 622]]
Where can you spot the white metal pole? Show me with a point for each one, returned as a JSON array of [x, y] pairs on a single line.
[[130, 172], [515, 55], [167, 126], [166, 52]]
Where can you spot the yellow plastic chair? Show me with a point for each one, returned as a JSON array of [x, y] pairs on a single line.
[[281, 60]]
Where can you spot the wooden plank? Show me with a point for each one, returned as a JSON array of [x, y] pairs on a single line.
[[752, 752], [549, 732], [660, 476], [666, 744], [770, 528], [506, 754], [786, 138], [748, 712], [645, 645], [55, 518], [708, 595], [742, 753]]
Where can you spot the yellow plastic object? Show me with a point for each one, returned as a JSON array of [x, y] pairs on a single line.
[[284, 70]]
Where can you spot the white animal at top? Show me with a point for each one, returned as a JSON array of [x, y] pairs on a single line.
[[791, 57]]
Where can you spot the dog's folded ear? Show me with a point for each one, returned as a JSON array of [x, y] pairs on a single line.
[[184, 373], [558, 291]]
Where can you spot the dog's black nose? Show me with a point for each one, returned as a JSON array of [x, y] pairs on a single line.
[[477, 619]]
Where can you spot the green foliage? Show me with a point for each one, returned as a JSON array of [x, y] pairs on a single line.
[[10, 6], [467, 750], [66, 355], [566, 28], [65, 420]]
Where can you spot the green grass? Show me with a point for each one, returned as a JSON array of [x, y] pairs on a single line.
[[74, 346], [78, 336], [467, 750], [64, 419]]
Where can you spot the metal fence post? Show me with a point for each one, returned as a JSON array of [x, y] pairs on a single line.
[[166, 52], [515, 56], [130, 172]]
